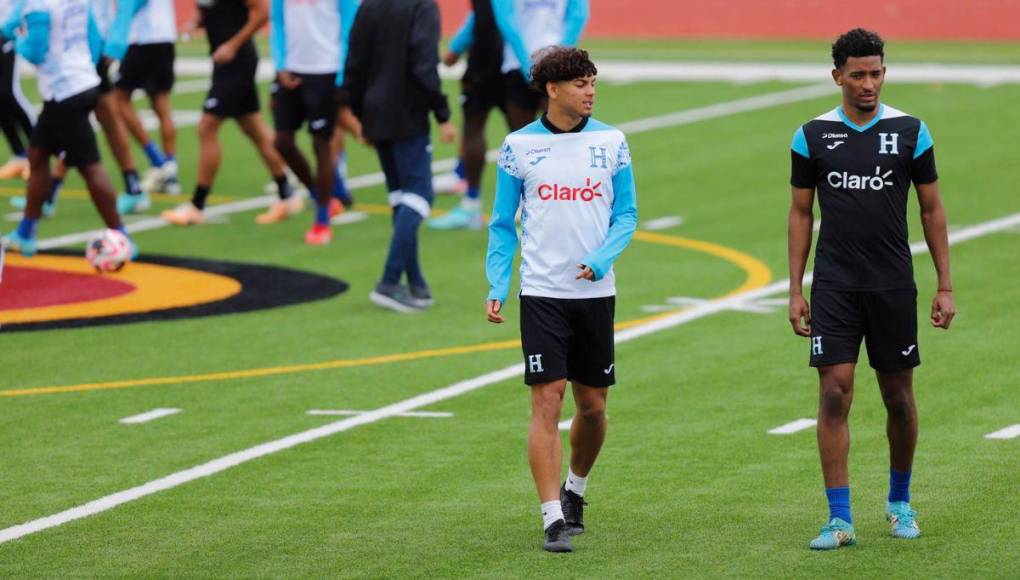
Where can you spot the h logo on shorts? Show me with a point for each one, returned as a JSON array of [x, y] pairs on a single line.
[[816, 345], [535, 363], [598, 154]]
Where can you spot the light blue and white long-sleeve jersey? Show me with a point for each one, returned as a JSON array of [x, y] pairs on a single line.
[[580, 207], [310, 36], [59, 40], [530, 25]]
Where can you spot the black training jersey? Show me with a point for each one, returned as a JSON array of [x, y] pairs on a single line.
[[223, 19], [862, 175]]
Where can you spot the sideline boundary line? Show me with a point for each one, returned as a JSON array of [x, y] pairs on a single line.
[[423, 400]]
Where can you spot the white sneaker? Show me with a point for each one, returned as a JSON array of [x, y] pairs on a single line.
[[162, 179]]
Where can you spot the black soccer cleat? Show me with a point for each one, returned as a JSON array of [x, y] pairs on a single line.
[[573, 511], [557, 539]]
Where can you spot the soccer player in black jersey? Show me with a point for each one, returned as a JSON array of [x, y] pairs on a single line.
[[229, 26], [861, 158]]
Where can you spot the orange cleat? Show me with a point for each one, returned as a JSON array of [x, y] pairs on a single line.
[[319, 235], [281, 210], [335, 207], [17, 167], [185, 214]]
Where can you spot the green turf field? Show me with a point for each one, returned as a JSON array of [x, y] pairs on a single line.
[[689, 483]]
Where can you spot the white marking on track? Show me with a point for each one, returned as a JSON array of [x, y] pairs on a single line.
[[1011, 432], [663, 223], [348, 412], [148, 416], [430, 398], [793, 427]]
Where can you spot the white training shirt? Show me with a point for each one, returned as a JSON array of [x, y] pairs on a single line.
[[312, 36], [540, 24], [105, 11], [68, 68], [580, 207], [154, 23]]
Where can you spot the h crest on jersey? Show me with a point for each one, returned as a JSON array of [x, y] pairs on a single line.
[[888, 143]]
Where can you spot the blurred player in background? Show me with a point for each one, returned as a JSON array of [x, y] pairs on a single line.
[[16, 114], [574, 177], [309, 44], [392, 84], [62, 40], [229, 26], [861, 157], [142, 39], [497, 77]]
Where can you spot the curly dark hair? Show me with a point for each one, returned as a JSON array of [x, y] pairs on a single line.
[[559, 63], [857, 42]]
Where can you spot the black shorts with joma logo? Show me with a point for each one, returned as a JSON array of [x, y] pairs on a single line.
[[886, 320], [568, 338]]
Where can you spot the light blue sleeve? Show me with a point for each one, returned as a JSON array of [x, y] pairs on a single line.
[[348, 11], [95, 38], [623, 220], [8, 28], [924, 141], [503, 10], [116, 42], [499, 258], [465, 37], [799, 143], [574, 21], [34, 45], [277, 35]]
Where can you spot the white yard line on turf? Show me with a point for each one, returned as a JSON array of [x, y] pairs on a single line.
[[149, 416], [793, 427], [632, 127], [1011, 432], [347, 413], [565, 424], [424, 400], [663, 223]]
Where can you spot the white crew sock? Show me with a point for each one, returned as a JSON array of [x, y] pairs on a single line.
[[576, 483], [552, 512], [471, 205]]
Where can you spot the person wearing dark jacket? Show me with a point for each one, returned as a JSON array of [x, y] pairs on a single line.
[[391, 83]]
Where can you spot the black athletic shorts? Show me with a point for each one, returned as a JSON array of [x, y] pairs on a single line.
[[103, 70], [63, 126], [886, 320], [149, 67], [568, 339], [519, 92], [314, 100], [233, 92], [481, 96]]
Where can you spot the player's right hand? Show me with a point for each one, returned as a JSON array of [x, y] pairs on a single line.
[[447, 132], [492, 308], [800, 315], [287, 80], [451, 58]]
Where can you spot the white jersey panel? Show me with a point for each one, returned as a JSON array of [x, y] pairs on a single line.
[[68, 68], [540, 24], [154, 23], [567, 204], [313, 36], [105, 11]]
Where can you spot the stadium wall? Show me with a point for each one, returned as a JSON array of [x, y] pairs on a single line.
[[993, 20]]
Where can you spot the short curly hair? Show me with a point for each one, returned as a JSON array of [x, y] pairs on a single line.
[[560, 63], [857, 42]]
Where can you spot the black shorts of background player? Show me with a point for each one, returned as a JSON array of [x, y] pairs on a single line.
[[861, 158]]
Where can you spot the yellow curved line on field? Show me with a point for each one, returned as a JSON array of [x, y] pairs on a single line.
[[757, 274]]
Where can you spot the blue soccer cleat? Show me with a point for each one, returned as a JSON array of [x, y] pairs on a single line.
[[128, 204], [900, 516], [457, 219], [48, 209], [25, 246], [835, 534]]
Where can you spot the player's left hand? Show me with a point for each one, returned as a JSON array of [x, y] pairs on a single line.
[[942, 309], [585, 273], [447, 132], [225, 53]]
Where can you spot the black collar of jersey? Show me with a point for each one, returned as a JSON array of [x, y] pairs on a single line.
[[556, 130]]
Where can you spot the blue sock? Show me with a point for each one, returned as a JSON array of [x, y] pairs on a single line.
[[899, 485], [474, 192], [55, 185], [340, 187], [26, 229], [122, 229], [459, 170], [321, 212], [155, 156], [171, 157], [839, 503]]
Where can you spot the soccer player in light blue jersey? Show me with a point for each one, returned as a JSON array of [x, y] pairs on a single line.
[[16, 115], [573, 177], [499, 79]]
